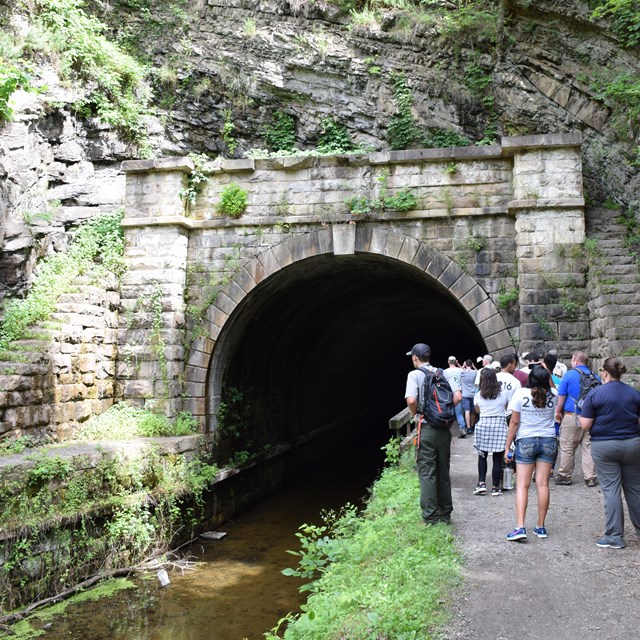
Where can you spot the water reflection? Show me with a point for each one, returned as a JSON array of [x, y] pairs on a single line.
[[237, 589]]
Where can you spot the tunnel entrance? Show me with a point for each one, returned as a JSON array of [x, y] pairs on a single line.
[[323, 342]]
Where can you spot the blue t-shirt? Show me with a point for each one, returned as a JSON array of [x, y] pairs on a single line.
[[615, 407], [570, 386]]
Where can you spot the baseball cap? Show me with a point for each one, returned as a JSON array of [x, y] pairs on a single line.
[[420, 350], [479, 359], [453, 359]]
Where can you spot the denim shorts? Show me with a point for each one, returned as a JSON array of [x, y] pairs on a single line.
[[467, 404], [529, 450]]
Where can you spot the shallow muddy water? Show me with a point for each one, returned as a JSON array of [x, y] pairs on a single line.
[[236, 590]]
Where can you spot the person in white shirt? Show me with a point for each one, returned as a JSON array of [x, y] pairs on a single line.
[[452, 373], [486, 361], [531, 427], [508, 382], [491, 430]]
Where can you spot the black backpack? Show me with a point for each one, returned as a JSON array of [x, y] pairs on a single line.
[[588, 381], [438, 410]]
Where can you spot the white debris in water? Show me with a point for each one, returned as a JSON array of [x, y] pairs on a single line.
[[163, 576], [213, 535]]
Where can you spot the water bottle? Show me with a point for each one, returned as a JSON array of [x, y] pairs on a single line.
[[510, 455], [507, 482]]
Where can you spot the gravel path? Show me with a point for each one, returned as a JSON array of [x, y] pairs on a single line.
[[560, 588]]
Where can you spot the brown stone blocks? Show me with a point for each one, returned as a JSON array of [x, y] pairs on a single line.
[[195, 389], [282, 253], [363, 237], [394, 245], [533, 331], [378, 240], [438, 263], [269, 262], [225, 303], [450, 275], [577, 331], [462, 286], [409, 250], [216, 316], [499, 342], [474, 297], [245, 280], [423, 256]]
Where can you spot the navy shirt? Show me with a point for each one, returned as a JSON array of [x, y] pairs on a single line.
[[615, 407], [570, 387]]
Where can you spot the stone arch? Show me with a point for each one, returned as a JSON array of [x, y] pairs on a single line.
[[340, 239]]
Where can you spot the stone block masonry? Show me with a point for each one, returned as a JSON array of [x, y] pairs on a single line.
[[488, 221], [67, 375]]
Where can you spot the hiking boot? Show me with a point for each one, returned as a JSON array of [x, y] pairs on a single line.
[[591, 482], [605, 543], [496, 491], [517, 534], [541, 532], [563, 481], [480, 490]]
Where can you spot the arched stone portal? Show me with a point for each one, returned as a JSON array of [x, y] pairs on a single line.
[[302, 283], [315, 329]]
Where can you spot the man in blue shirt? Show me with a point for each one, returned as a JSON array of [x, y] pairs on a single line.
[[571, 435]]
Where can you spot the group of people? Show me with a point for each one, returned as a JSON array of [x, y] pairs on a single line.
[[527, 416]]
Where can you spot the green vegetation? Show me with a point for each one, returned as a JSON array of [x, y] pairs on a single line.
[[112, 81], [403, 132], [545, 325], [123, 422], [227, 132], [334, 138], [379, 575], [11, 78], [26, 630], [476, 243], [125, 508], [506, 298], [233, 200], [196, 180], [401, 200], [280, 133], [625, 19], [97, 248]]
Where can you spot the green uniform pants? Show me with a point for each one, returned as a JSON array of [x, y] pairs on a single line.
[[433, 460]]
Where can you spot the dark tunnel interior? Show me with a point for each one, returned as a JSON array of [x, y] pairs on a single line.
[[324, 341]]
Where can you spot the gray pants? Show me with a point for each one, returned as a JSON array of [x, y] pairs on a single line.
[[618, 467]]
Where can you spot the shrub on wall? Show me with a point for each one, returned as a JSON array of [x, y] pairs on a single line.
[[233, 201]]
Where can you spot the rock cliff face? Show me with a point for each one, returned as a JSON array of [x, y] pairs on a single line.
[[527, 68]]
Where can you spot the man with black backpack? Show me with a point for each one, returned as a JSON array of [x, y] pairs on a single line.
[[431, 399], [572, 390]]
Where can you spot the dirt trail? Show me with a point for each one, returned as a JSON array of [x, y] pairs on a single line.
[[560, 588]]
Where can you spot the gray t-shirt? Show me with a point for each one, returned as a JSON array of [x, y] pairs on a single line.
[[468, 382], [415, 384]]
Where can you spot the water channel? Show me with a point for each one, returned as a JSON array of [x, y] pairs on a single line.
[[236, 589]]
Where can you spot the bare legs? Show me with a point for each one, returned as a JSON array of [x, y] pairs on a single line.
[[523, 482]]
